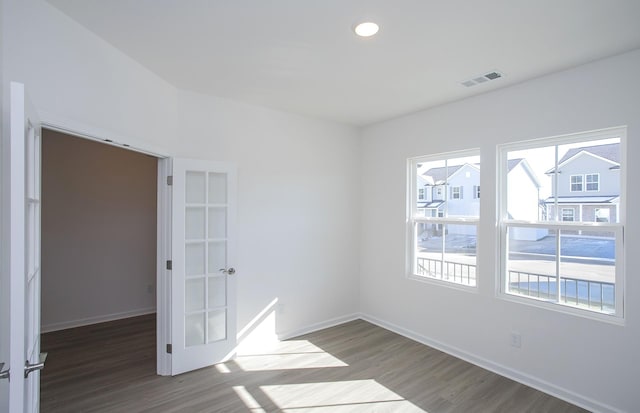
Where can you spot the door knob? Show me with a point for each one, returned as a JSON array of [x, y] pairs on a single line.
[[29, 368], [228, 271]]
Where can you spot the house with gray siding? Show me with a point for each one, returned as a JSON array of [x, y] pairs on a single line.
[[586, 187]]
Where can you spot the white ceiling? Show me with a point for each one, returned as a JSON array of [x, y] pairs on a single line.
[[302, 56]]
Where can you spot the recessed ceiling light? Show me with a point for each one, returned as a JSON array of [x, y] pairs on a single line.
[[366, 29]]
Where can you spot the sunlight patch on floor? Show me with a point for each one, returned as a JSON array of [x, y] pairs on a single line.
[[248, 399], [341, 396], [287, 355]]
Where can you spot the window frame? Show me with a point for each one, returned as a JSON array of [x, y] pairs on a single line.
[[573, 214], [504, 223], [581, 183], [422, 194], [456, 192], [597, 182], [597, 209], [413, 220]]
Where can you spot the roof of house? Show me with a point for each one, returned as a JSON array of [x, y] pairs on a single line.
[[439, 175], [609, 151]]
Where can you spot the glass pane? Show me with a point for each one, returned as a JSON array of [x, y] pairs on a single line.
[[195, 222], [429, 250], [587, 269], [195, 188], [529, 185], [217, 325], [194, 329], [218, 222], [449, 188], [588, 173], [531, 265], [217, 291], [217, 188], [447, 252], [194, 295], [460, 254], [194, 259], [217, 256]]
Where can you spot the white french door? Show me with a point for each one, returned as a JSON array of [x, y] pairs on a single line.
[[203, 281], [25, 359]]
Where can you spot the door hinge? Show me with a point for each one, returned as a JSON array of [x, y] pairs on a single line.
[[169, 264], [169, 348], [170, 180]]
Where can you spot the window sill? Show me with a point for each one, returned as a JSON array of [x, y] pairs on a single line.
[[559, 308]]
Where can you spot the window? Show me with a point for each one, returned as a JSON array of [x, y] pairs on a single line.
[[576, 183], [568, 214], [442, 246], [557, 250], [476, 192], [593, 182], [422, 194], [602, 214]]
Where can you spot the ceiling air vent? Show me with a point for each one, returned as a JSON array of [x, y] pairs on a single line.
[[476, 80]]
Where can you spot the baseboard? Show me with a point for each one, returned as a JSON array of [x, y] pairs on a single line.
[[95, 320], [318, 326], [538, 384]]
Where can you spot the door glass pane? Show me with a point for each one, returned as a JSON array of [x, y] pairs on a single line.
[[194, 329], [217, 222], [217, 325], [194, 259], [194, 295], [217, 256], [217, 188], [195, 223], [217, 291], [195, 188]]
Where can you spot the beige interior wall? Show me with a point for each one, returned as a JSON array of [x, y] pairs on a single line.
[[98, 232]]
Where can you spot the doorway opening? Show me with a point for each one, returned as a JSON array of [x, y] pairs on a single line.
[[99, 260]]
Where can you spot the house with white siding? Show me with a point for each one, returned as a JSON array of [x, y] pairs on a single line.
[[455, 191]]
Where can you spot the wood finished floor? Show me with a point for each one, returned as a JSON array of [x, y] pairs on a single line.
[[354, 367]]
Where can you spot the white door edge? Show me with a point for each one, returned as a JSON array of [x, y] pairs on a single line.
[[163, 281]]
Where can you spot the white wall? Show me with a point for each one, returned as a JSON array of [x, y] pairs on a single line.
[[76, 78], [299, 196], [98, 232], [591, 362], [298, 206]]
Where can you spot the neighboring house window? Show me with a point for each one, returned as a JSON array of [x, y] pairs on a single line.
[[456, 192], [568, 214], [576, 183], [593, 182], [567, 263], [443, 247], [602, 214], [476, 192], [421, 194]]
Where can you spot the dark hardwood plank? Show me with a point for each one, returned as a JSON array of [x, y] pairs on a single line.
[[353, 367]]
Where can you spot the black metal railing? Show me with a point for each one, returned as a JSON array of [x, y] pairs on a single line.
[[574, 291], [453, 271]]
